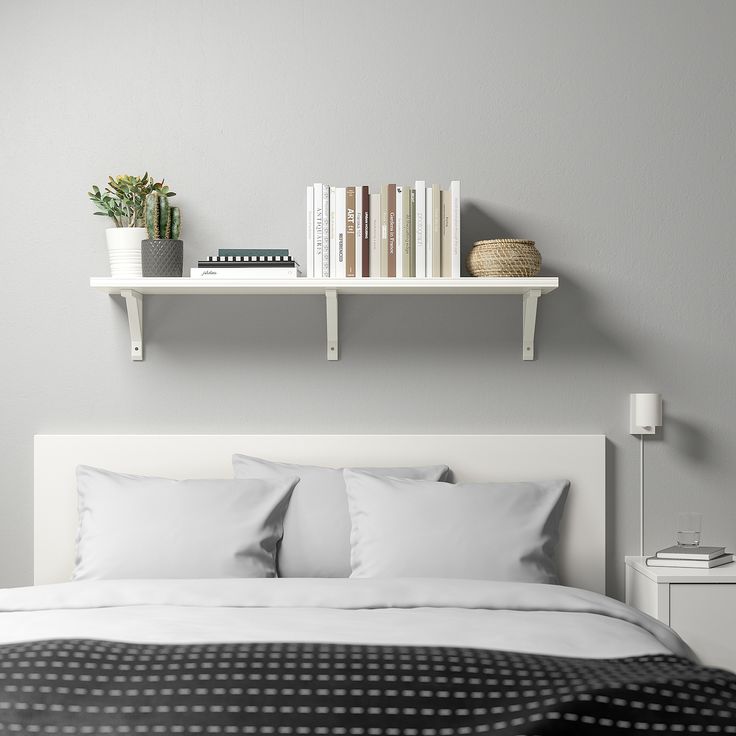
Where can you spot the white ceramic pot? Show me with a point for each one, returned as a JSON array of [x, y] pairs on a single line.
[[124, 250]]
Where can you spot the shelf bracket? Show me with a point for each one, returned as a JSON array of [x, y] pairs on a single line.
[[529, 316], [332, 338], [134, 305]]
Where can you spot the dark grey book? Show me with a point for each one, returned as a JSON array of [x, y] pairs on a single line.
[[678, 552]]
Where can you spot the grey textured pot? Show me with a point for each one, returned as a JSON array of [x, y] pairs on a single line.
[[162, 257]]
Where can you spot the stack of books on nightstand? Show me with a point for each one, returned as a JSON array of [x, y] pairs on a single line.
[[678, 556]]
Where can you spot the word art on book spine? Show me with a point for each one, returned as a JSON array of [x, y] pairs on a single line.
[[397, 232]]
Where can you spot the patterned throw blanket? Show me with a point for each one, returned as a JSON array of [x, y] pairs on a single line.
[[99, 687]]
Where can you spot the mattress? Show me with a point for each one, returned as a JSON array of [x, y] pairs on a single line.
[[344, 656]]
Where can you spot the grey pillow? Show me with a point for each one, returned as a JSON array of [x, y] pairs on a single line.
[[490, 531], [316, 541], [138, 527]]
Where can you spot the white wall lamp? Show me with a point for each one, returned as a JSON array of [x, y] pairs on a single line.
[[645, 415]]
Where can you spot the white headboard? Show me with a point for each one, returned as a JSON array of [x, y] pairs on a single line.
[[579, 458]]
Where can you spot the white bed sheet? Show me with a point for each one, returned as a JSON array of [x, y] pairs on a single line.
[[545, 619]]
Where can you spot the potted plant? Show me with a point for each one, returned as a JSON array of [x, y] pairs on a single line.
[[162, 253], [123, 201]]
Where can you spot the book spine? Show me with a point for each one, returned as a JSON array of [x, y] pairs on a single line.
[[340, 231], [243, 273], [365, 245], [421, 253], [310, 231], [358, 232], [325, 230], [455, 220], [436, 232], [318, 232], [350, 232], [446, 267], [247, 260], [384, 231], [405, 227], [333, 233], [413, 232], [428, 233], [399, 231], [391, 214], [374, 234], [253, 252]]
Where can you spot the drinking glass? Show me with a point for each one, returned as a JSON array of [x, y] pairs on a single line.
[[689, 527]]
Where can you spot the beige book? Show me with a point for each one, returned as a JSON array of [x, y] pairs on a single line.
[[350, 232], [436, 231], [405, 225]]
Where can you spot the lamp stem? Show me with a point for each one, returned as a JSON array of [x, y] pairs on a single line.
[[641, 495]]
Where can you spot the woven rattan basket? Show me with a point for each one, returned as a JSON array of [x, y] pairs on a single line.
[[504, 257]]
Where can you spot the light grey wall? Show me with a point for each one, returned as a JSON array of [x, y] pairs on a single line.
[[604, 130]]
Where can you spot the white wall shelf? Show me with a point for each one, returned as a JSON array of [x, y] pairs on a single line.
[[133, 291]]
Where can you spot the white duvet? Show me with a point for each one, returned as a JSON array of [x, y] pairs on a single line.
[[546, 619]]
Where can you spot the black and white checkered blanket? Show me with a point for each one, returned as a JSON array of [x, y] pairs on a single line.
[[100, 687]]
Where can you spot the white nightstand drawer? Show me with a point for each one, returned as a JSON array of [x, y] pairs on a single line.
[[703, 614], [699, 604]]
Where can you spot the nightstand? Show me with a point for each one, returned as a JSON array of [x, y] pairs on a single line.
[[700, 605]]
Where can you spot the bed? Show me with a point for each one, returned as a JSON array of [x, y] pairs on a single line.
[[342, 655]]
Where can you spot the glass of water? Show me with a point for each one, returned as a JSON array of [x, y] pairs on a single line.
[[689, 528]]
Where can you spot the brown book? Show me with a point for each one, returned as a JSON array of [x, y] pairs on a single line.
[[365, 246], [384, 231], [391, 212], [350, 232]]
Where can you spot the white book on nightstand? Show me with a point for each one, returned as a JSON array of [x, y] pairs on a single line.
[[691, 563]]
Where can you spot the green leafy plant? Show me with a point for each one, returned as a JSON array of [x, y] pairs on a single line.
[[162, 221], [123, 199]]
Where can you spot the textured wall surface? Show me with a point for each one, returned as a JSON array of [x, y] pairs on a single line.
[[604, 130]]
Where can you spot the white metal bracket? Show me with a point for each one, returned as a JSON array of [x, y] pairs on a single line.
[[134, 305], [529, 315], [332, 338]]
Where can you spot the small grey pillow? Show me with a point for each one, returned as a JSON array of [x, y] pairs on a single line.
[[139, 527], [489, 531], [316, 541]]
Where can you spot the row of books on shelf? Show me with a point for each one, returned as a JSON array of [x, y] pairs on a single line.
[[398, 232], [682, 556]]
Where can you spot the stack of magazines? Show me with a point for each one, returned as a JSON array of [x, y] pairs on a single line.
[[247, 263], [679, 556]]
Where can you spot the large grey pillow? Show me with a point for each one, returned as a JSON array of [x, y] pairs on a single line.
[[138, 527], [490, 531], [316, 541]]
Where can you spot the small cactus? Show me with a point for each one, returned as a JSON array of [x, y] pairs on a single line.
[[162, 221]]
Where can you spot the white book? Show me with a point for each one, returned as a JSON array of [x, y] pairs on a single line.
[[455, 227], [724, 559], [428, 232], [222, 274], [325, 231], [421, 209], [340, 233], [358, 232], [436, 224], [399, 232], [333, 234], [374, 236], [310, 231], [318, 231]]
